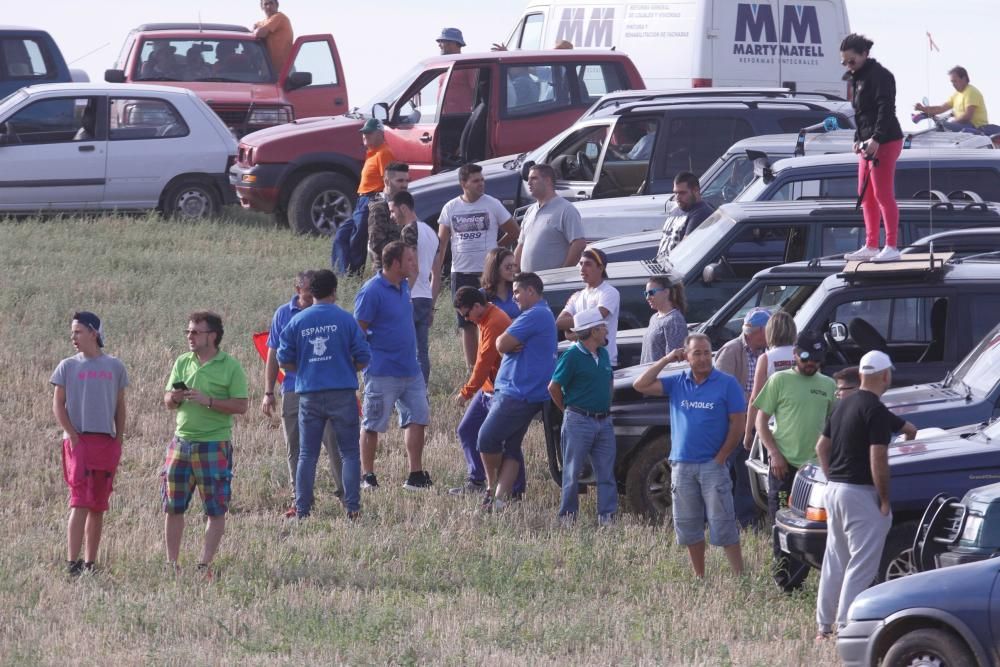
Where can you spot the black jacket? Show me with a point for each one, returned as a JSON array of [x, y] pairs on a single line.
[[875, 103]]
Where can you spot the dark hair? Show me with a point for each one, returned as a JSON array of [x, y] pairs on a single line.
[[398, 166], [403, 198], [850, 375], [213, 321], [393, 252], [491, 270], [468, 296], [857, 43], [688, 179], [546, 171], [960, 71], [467, 170], [676, 288], [324, 283], [530, 280], [691, 337], [303, 279]]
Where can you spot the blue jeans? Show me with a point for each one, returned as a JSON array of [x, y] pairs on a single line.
[[468, 435], [423, 310], [504, 428], [581, 438], [344, 256], [746, 509], [338, 407]]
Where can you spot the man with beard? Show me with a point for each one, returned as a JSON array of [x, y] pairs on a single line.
[[690, 212]]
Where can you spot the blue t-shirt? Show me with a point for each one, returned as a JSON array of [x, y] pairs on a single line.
[[699, 414], [282, 316], [324, 342], [507, 305], [526, 374], [391, 334]]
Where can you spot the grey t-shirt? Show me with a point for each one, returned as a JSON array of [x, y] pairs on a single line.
[[92, 387], [547, 233], [664, 334]]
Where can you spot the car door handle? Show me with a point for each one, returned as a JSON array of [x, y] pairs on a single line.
[[426, 138], [338, 100], [85, 149], [582, 195]]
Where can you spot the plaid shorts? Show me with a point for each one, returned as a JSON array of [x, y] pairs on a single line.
[[205, 465]]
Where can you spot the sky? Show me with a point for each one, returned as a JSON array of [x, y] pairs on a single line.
[[379, 40]]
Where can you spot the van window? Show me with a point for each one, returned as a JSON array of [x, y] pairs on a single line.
[[595, 80], [531, 34], [985, 181], [818, 188], [533, 89], [144, 118], [317, 59], [24, 59], [694, 143]]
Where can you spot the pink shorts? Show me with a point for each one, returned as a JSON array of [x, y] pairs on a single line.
[[89, 470]]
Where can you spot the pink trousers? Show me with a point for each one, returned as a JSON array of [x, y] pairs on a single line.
[[879, 200]]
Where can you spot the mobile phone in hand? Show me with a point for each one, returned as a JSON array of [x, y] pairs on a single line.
[[180, 386]]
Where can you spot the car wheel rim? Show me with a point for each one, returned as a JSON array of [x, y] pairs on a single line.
[[193, 204], [926, 660], [900, 566], [658, 487], [329, 210]]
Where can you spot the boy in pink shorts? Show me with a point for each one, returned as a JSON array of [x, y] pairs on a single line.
[[89, 404]]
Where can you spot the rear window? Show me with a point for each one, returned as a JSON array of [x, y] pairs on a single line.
[[22, 58], [533, 89], [597, 79], [144, 118]]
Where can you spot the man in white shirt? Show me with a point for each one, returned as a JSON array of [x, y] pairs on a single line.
[[470, 225], [598, 293], [420, 236]]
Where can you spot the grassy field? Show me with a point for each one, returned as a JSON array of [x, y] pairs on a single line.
[[421, 579]]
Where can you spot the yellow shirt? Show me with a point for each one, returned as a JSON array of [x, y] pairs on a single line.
[[374, 168], [278, 40], [970, 97]]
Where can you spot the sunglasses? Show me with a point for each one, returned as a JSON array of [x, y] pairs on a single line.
[[849, 62], [650, 293]]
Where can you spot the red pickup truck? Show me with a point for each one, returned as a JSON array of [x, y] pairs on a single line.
[[444, 112], [229, 69]]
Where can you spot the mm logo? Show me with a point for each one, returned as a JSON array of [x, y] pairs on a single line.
[[595, 31], [757, 31]]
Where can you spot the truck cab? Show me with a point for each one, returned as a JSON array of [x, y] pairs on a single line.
[[28, 57]]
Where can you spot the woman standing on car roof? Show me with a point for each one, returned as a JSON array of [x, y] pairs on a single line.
[[878, 141]]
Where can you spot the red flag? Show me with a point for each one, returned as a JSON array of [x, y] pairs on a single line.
[[932, 44], [260, 343]]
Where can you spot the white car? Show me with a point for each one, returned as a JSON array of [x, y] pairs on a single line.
[[85, 147]]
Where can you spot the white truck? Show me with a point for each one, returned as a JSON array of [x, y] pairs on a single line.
[[700, 43]]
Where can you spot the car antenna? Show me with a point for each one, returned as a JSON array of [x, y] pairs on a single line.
[[89, 53], [200, 29]]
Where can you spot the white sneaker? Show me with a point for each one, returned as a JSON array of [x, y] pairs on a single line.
[[861, 255], [887, 254]]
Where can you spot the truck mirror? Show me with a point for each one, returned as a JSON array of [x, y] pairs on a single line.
[[298, 80], [709, 273], [381, 111], [114, 75], [526, 169], [838, 332]]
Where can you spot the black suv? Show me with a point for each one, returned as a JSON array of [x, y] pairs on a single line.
[[740, 239], [927, 320], [592, 158]]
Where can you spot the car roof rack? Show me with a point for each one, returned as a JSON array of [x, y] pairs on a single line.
[[818, 261], [907, 267], [771, 93], [200, 27], [633, 106]]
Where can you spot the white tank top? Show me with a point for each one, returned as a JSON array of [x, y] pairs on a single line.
[[780, 359]]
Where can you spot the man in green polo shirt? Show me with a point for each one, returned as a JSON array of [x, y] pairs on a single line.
[[581, 388], [206, 388]]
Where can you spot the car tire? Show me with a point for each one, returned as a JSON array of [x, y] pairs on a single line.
[[191, 199], [647, 481], [320, 203], [897, 555], [929, 646]]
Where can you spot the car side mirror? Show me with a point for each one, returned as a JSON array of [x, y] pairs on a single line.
[[526, 169], [381, 112], [114, 75], [710, 273], [298, 80], [838, 332]]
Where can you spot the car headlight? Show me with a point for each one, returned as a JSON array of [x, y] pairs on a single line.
[[270, 116], [816, 505]]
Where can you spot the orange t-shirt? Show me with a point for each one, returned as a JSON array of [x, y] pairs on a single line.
[[278, 40], [374, 169], [493, 323]]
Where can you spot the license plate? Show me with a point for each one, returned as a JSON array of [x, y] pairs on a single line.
[[783, 542]]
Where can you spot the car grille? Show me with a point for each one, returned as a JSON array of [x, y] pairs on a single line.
[[654, 267], [800, 493], [232, 116]]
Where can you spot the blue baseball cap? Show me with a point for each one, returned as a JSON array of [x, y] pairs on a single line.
[[451, 35], [756, 318]]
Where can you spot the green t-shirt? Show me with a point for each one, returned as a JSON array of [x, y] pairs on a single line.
[[800, 406], [221, 377], [585, 381]]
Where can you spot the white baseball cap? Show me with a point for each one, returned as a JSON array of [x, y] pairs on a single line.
[[875, 362], [587, 319]]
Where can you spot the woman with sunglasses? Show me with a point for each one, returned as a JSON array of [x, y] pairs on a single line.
[[667, 327], [498, 281], [878, 141]]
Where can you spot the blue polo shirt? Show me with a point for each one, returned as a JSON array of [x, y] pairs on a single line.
[[507, 305], [391, 333], [324, 342], [282, 316], [526, 374], [699, 414]]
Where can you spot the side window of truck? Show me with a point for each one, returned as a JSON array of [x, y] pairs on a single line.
[[818, 188], [596, 79], [694, 142], [24, 59], [532, 89], [422, 104], [983, 181]]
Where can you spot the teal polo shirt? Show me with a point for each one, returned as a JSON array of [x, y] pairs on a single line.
[[220, 377], [585, 381]]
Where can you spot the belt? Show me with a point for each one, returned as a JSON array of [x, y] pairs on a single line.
[[585, 413], [95, 433]]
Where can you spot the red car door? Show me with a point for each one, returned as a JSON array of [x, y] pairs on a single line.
[[327, 94], [412, 130]]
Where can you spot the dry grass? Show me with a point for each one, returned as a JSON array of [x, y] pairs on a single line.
[[422, 579]]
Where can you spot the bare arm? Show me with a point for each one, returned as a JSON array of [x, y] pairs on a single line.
[[511, 231], [759, 378], [556, 392], [933, 110], [576, 249], [737, 424], [444, 237], [270, 379], [62, 414], [823, 447], [879, 455], [779, 466], [517, 253], [909, 431], [227, 406], [173, 399], [565, 321], [120, 412], [648, 383]]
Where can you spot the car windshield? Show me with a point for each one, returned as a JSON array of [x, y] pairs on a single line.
[[222, 59], [980, 370], [392, 92], [696, 246], [772, 296], [812, 304], [11, 101], [992, 431], [727, 180]]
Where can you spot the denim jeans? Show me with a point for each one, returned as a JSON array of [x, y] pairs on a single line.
[[290, 425], [504, 428], [743, 503], [468, 435], [343, 254], [316, 409], [423, 310], [581, 438]]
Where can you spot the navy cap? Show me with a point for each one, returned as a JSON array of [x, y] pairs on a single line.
[[810, 345], [93, 322], [451, 35]]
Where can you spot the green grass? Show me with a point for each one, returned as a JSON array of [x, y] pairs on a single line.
[[422, 579]]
